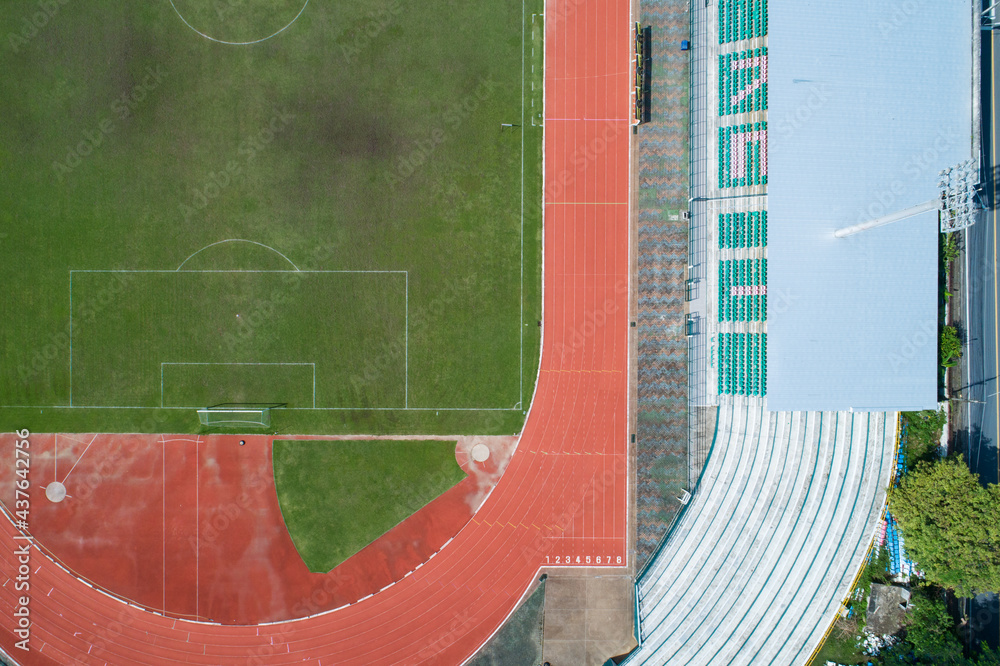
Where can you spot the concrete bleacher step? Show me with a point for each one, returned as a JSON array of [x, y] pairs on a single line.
[[708, 509], [773, 535], [735, 545], [767, 580], [656, 584], [831, 581]]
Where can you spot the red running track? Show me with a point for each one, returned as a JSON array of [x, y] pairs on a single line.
[[191, 527], [564, 493]]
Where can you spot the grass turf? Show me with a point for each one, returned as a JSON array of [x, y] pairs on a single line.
[[366, 136], [519, 640], [316, 319], [840, 646], [338, 496]]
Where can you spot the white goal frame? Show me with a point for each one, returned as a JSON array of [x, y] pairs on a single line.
[[263, 414]]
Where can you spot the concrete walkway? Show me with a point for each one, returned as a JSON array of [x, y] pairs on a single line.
[[661, 182], [757, 566], [588, 618]]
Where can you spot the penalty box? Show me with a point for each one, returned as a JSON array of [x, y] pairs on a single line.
[[178, 338]]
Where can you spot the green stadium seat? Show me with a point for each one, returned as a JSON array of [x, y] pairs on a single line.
[[742, 19]]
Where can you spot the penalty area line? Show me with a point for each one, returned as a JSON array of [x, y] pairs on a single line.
[[317, 409]]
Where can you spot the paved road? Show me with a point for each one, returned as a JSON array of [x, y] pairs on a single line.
[[982, 361], [980, 445]]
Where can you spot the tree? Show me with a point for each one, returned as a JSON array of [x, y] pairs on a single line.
[[931, 631], [923, 433], [930, 636], [951, 525], [989, 657]]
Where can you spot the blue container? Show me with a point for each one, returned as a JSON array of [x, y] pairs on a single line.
[[685, 45]]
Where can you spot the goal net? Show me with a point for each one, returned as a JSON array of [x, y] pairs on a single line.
[[235, 415]]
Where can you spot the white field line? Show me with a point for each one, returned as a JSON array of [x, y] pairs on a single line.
[[531, 588], [317, 409], [71, 338], [238, 240], [406, 350], [78, 460], [405, 273], [545, 95], [406, 406], [71, 438], [256, 41], [520, 328], [239, 270]]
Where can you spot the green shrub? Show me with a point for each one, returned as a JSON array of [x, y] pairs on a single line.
[[923, 434], [951, 347]]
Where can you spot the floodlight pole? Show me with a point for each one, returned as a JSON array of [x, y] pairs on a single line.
[[933, 204], [956, 203]]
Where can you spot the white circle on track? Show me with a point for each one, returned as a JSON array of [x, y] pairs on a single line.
[[55, 492], [480, 453], [222, 41]]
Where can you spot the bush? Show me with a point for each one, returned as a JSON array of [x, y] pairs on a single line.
[[876, 571], [930, 636], [949, 248], [923, 434], [951, 347]]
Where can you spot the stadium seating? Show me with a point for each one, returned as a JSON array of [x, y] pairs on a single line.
[[742, 19], [742, 230], [743, 81], [747, 304], [892, 544], [746, 144], [742, 364]]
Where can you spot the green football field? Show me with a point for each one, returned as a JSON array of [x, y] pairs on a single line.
[[333, 207]]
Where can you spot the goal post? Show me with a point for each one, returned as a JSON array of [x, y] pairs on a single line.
[[228, 416]]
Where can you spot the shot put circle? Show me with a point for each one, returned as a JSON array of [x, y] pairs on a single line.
[[480, 453], [55, 492], [234, 4]]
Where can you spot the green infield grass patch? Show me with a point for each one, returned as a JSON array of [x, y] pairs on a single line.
[[339, 496]]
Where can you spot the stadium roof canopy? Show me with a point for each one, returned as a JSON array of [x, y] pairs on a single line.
[[867, 102]]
